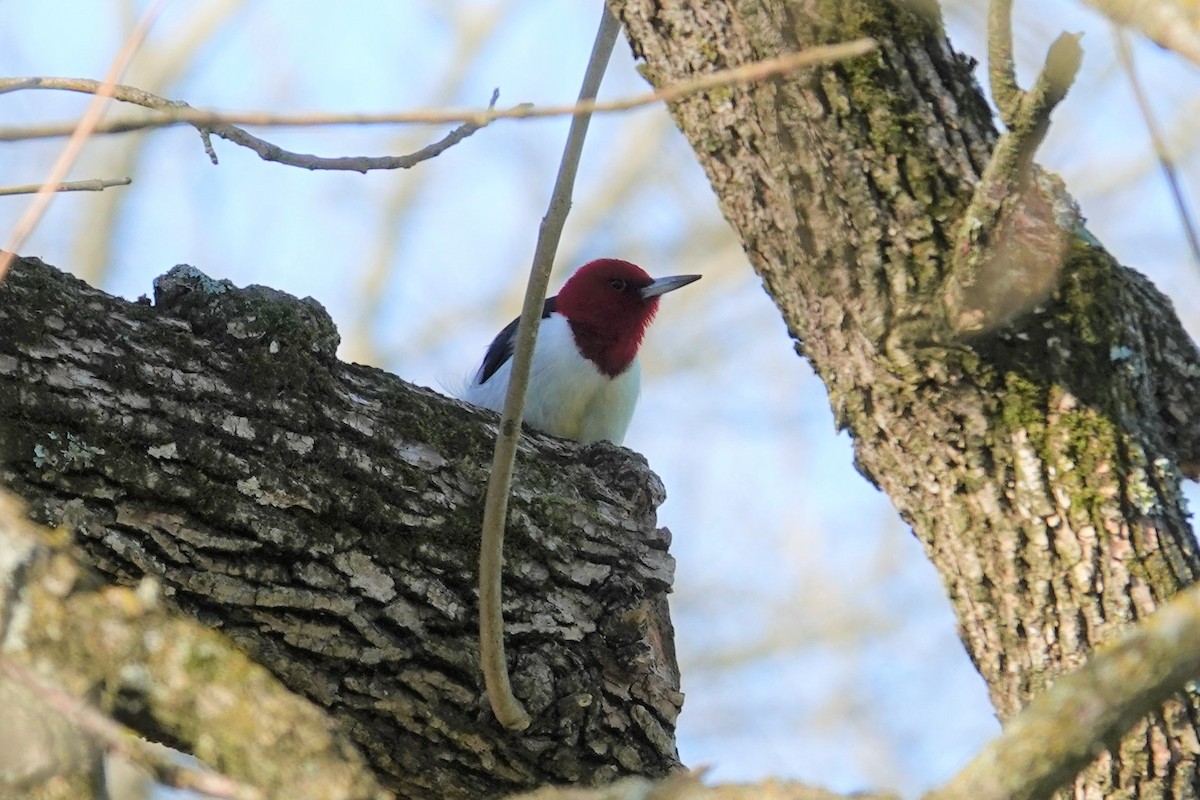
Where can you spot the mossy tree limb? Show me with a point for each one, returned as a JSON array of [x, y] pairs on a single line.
[[325, 516], [126, 649], [1039, 461]]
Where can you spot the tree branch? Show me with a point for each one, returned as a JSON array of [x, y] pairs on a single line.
[[982, 253], [91, 185], [208, 123], [325, 516], [174, 112], [1173, 24], [1002, 72], [495, 510], [1063, 730]]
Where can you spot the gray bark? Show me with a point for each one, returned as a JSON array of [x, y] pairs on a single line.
[[325, 516], [1039, 461]]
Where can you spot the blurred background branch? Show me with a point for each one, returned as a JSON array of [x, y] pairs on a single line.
[[1161, 151], [90, 185], [1173, 24]]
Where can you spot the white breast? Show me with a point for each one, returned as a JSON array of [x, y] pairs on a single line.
[[567, 395]]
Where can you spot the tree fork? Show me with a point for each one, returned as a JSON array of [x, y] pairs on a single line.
[[1039, 462]]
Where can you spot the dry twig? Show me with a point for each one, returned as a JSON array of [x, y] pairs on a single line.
[[211, 124], [91, 185], [175, 113], [1161, 151], [507, 708], [83, 129]]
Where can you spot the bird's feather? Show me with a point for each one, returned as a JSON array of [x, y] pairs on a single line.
[[568, 396], [505, 344]]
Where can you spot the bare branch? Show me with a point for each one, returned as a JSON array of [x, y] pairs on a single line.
[[1010, 170], [1002, 74], [1025, 113], [270, 152], [91, 185], [1174, 24], [177, 113], [507, 708], [83, 129], [1161, 151], [267, 151]]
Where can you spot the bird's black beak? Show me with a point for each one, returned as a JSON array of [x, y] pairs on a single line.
[[668, 284]]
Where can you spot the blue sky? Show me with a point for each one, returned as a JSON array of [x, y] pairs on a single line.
[[816, 641]]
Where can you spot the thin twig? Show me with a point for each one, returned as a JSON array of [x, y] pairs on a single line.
[[1173, 24], [118, 739], [267, 151], [270, 152], [167, 57], [1163, 153], [175, 113], [91, 117], [1061, 731], [507, 708], [1002, 73], [91, 185], [359, 343]]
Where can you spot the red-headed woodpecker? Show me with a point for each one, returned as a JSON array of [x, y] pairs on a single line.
[[585, 377]]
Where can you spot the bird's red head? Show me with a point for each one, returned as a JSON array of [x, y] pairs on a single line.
[[609, 304]]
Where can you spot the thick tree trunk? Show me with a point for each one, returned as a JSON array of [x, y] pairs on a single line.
[[1039, 463], [325, 515]]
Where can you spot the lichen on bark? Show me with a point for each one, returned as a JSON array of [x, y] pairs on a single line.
[[325, 516], [1037, 458]]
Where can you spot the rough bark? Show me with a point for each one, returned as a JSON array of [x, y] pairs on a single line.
[[75, 648], [1047, 744], [1039, 463], [325, 516]]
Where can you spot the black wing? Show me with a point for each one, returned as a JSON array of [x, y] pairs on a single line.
[[502, 347]]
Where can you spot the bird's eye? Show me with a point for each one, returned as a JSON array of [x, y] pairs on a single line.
[[617, 284]]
